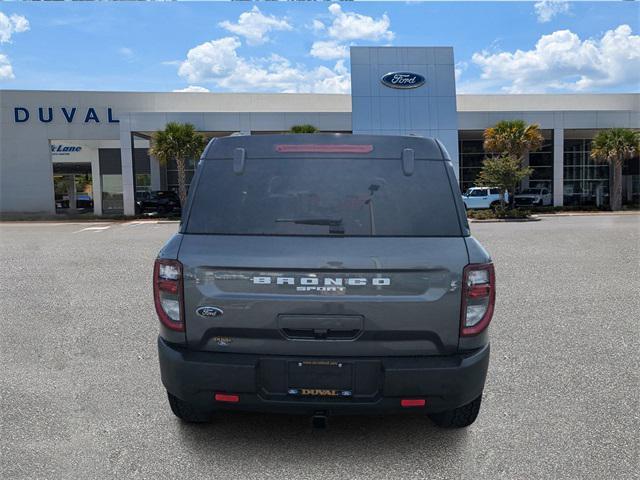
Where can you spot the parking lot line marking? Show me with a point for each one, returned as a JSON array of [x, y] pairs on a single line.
[[138, 223], [94, 229]]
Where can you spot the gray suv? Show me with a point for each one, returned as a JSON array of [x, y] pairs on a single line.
[[324, 274]]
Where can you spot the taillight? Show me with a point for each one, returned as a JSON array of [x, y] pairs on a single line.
[[167, 293], [478, 298]]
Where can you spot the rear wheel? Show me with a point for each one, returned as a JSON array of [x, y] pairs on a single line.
[[494, 206], [188, 412], [458, 417]]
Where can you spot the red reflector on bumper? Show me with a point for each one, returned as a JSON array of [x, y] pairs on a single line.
[[225, 397], [311, 148], [413, 402]]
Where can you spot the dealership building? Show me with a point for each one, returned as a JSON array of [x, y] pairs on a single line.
[[80, 151]]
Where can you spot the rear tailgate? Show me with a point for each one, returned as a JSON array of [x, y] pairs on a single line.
[[342, 296]]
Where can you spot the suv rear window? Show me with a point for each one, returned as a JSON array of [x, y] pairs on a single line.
[[324, 196]]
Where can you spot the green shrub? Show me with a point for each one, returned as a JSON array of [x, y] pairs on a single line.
[[514, 213], [481, 214], [498, 213], [304, 128]]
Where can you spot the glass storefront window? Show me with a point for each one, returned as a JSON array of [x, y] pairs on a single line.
[[172, 174], [472, 155], [585, 182], [143, 182], [73, 187], [112, 201]]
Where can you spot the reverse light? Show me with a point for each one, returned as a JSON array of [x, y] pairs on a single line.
[[167, 293], [478, 298]]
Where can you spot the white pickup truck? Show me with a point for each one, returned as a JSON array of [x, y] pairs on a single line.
[[540, 197], [482, 197]]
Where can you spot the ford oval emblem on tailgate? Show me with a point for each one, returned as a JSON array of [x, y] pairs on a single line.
[[209, 312]]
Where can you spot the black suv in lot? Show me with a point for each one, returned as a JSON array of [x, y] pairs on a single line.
[[324, 274], [162, 202]]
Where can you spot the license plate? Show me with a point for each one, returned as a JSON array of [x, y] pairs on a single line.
[[320, 378]]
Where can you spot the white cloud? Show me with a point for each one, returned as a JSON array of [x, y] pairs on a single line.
[[355, 26], [547, 9], [254, 26], [460, 67], [213, 59], [10, 25], [6, 70], [347, 27], [218, 62], [317, 25], [126, 52], [192, 88], [329, 50], [562, 61]]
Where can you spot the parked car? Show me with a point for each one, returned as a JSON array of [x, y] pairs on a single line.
[[324, 274], [533, 196], [482, 197], [162, 202], [84, 200]]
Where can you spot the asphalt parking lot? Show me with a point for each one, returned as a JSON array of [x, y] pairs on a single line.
[[81, 395]]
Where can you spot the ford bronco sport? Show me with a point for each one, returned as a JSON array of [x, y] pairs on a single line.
[[324, 274]]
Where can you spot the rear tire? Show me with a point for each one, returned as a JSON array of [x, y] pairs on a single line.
[[494, 206], [188, 412], [460, 417]]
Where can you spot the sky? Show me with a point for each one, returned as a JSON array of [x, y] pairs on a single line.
[[546, 46]]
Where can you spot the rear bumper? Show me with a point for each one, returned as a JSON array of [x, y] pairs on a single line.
[[445, 382]]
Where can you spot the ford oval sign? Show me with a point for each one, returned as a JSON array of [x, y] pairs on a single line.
[[402, 80], [209, 312]]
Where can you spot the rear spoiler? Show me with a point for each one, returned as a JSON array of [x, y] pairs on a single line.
[[313, 145]]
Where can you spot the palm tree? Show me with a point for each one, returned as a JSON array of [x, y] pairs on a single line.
[[179, 142], [614, 147], [513, 138], [305, 128]]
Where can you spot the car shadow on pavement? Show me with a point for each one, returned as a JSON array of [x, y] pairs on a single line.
[[272, 439]]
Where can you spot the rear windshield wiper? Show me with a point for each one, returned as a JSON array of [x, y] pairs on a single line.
[[334, 224]]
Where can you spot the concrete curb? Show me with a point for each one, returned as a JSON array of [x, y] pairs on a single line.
[[505, 220], [587, 214]]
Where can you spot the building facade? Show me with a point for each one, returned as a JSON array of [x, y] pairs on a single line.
[[66, 151]]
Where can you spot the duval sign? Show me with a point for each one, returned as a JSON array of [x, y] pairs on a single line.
[[402, 80], [67, 114]]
